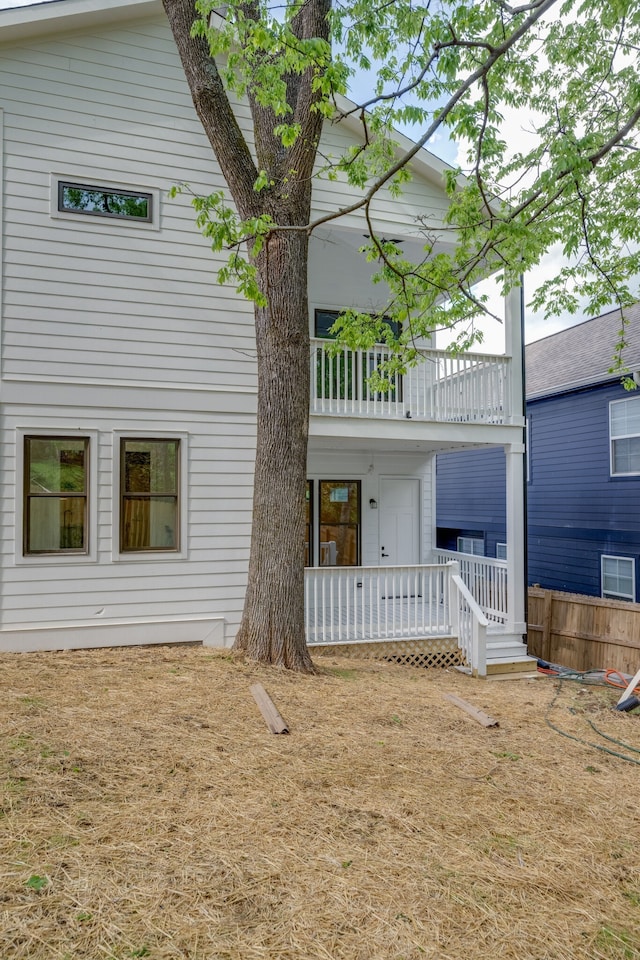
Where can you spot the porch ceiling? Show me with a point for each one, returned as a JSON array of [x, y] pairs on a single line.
[[405, 436]]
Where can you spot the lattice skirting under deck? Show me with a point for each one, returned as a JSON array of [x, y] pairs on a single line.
[[431, 652]]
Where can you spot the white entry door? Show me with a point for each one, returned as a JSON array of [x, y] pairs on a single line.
[[399, 521]]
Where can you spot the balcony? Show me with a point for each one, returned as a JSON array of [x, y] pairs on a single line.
[[467, 388]]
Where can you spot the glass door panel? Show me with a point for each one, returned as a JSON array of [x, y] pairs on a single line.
[[339, 516]]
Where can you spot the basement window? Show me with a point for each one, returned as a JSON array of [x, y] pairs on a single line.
[[472, 545]]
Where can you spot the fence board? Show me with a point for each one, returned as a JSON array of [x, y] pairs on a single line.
[[584, 633]]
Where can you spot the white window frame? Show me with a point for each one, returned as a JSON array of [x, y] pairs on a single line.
[[151, 556], [53, 559], [501, 548], [105, 183], [622, 436], [612, 594], [473, 542]]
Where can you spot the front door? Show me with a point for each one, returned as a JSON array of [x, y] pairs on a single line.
[[399, 521]]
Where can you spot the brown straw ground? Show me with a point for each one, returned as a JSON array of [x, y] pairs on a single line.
[[146, 811]]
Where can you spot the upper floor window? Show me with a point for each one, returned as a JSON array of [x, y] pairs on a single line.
[[98, 201], [624, 430], [325, 319], [501, 551], [149, 492], [618, 578], [55, 495]]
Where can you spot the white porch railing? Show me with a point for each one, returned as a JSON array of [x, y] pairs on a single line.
[[470, 387], [486, 580], [351, 604], [469, 624]]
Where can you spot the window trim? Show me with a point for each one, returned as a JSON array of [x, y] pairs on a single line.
[[500, 543], [105, 183], [626, 436], [154, 555], [610, 594], [89, 555]]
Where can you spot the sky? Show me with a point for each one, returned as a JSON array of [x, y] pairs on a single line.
[[536, 326]]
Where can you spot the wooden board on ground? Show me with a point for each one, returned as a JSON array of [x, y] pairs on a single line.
[[268, 710], [478, 715]]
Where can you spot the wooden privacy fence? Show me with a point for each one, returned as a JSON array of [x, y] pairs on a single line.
[[583, 633]]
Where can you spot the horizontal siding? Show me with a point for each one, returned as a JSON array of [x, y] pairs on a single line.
[[103, 301], [210, 581], [576, 510], [88, 299]]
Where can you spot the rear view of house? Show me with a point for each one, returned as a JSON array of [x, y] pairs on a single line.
[[128, 375]]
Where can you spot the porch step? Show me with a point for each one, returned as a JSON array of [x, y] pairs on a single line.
[[507, 655], [517, 664]]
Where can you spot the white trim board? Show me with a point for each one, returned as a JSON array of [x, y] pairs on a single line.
[[209, 631]]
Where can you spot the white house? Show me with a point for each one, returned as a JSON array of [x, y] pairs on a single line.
[[128, 378]]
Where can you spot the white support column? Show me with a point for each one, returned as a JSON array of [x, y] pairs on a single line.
[[516, 574], [514, 346]]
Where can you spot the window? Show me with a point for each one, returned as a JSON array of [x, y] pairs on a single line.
[[149, 485], [325, 319], [501, 551], [55, 495], [624, 429], [472, 545], [618, 578], [95, 201]]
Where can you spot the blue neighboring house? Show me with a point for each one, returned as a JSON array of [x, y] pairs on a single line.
[[583, 468]]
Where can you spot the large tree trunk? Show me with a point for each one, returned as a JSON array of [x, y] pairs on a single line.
[[272, 628]]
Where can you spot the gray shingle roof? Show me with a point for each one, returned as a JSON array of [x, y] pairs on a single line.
[[581, 355]]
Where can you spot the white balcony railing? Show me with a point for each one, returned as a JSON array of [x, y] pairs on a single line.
[[469, 388], [486, 580], [357, 604]]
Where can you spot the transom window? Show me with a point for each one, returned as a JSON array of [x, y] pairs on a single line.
[[111, 202], [149, 490], [618, 578], [474, 545], [55, 495], [624, 428]]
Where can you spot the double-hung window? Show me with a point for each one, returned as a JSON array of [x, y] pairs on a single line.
[[56, 472], [624, 430], [618, 578], [149, 494]]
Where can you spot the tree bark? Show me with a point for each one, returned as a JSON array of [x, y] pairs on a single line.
[[272, 628]]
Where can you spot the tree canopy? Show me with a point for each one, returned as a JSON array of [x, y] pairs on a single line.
[[545, 96]]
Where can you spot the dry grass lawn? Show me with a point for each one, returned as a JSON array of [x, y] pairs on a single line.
[[146, 811]]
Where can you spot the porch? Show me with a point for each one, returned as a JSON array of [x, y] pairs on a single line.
[[446, 613]]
